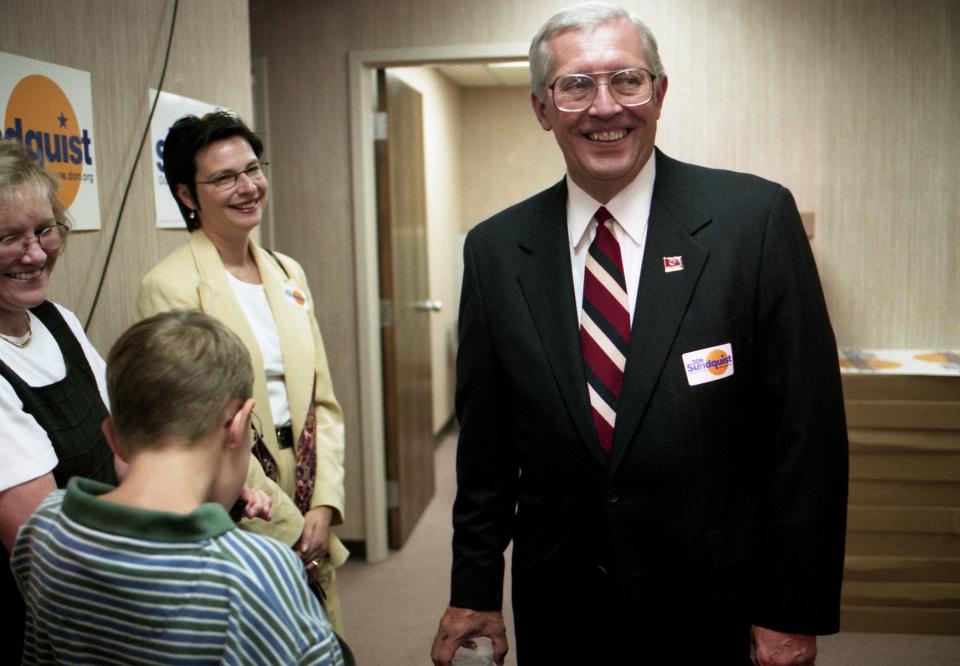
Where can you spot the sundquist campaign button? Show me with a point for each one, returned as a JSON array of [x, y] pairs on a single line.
[[709, 364], [294, 296]]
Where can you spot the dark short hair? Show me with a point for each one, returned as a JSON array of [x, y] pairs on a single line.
[[185, 139], [171, 377]]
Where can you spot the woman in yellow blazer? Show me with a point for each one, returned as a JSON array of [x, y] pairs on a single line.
[[212, 165]]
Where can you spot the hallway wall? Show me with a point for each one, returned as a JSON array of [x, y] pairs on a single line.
[[850, 104], [122, 45], [506, 154]]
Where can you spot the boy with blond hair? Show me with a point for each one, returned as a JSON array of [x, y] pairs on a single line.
[[154, 570]]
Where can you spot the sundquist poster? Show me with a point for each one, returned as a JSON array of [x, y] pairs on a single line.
[[170, 108], [49, 109]]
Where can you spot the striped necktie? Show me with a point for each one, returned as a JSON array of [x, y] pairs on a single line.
[[604, 327]]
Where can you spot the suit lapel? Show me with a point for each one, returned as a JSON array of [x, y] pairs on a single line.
[[218, 300], [547, 285], [676, 213], [293, 329]]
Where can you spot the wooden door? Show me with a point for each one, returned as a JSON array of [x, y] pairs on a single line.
[[405, 311]]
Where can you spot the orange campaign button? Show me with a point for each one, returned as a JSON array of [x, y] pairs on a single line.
[[708, 364], [295, 296]]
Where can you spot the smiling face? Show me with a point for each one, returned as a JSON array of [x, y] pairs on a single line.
[[606, 145], [24, 280], [234, 212]]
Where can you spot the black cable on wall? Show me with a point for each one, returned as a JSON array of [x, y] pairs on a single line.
[[133, 170]]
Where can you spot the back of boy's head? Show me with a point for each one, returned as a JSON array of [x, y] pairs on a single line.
[[170, 377]]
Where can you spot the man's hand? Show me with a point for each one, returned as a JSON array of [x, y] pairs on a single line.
[[256, 503], [315, 538], [459, 625], [772, 648]]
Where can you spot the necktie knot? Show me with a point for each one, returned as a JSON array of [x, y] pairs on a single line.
[[602, 215], [605, 223]]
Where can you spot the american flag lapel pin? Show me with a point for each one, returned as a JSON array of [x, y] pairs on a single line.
[[671, 264]]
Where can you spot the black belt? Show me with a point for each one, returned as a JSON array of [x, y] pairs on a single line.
[[285, 437]]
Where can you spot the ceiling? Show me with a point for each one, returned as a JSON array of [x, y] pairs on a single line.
[[499, 75]]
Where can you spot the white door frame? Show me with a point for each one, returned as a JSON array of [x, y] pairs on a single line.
[[362, 64]]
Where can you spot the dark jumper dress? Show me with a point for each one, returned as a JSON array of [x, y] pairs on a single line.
[[70, 411]]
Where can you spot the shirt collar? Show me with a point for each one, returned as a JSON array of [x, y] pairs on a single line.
[[630, 207], [83, 505]]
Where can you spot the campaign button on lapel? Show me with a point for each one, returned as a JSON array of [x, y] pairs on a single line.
[[708, 364]]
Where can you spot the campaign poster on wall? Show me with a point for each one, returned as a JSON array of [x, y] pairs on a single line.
[[49, 109], [170, 108]]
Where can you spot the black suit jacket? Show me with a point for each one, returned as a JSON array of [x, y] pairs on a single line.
[[733, 487]]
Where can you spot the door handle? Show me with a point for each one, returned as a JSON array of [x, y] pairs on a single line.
[[429, 305]]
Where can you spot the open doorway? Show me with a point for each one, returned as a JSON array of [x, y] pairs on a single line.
[[460, 144], [483, 150]]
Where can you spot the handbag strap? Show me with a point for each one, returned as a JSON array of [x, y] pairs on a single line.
[[307, 454]]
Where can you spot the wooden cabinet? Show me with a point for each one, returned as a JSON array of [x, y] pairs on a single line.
[[902, 571]]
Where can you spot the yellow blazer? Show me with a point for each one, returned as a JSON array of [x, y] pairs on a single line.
[[194, 277]]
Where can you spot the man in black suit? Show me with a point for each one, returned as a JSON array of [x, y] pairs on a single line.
[[648, 394]]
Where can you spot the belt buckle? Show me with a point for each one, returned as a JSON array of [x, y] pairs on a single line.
[[284, 437]]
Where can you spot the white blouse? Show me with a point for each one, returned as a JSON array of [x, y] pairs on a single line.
[[253, 301]]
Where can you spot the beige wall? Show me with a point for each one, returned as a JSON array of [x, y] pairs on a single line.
[[850, 104], [122, 45], [507, 156]]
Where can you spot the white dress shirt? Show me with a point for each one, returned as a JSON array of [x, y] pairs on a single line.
[[631, 210]]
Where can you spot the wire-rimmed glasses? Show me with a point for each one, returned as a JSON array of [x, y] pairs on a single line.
[[50, 239], [629, 87], [227, 180]]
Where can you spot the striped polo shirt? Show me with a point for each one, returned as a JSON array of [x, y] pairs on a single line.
[[112, 584]]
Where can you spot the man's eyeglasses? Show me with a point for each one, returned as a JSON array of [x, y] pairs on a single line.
[[629, 87], [50, 239], [227, 180]]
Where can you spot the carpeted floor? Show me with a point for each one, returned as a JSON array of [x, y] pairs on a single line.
[[391, 608]]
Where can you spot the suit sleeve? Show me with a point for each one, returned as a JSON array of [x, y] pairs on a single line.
[[158, 294], [803, 462], [483, 513]]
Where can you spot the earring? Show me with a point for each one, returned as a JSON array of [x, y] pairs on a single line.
[[193, 214]]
